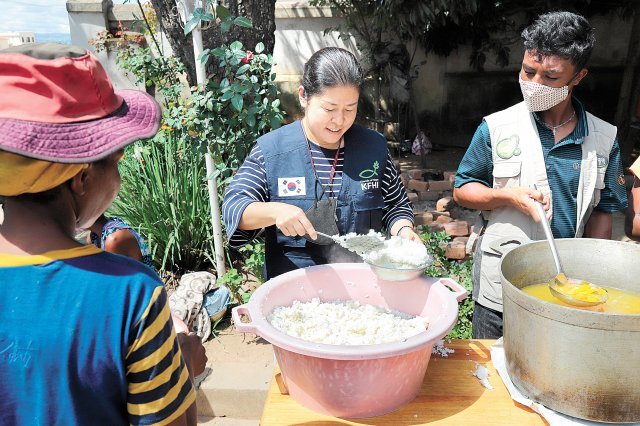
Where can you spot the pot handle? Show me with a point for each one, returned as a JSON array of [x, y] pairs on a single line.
[[458, 291], [243, 327]]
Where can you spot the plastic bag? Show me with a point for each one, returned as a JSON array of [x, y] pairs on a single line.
[[421, 140]]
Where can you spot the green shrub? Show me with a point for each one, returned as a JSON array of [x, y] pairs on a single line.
[[233, 280], [456, 270], [250, 261], [233, 109], [164, 192], [253, 259], [164, 195]]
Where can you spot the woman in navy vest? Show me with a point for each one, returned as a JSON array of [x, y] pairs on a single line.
[[321, 173]]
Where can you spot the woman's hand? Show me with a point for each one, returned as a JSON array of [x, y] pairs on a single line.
[[289, 219], [404, 228], [409, 234], [292, 221]]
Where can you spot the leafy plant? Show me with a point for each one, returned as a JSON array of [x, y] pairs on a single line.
[[253, 254], [459, 271], [164, 195], [251, 262], [164, 181], [233, 109], [233, 280]]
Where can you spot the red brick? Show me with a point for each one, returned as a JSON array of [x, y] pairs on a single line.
[[448, 174], [455, 251], [404, 180], [444, 219], [413, 197], [397, 164], [440, 185], [459, 228], [434, 227], [415, 174], [428, 195], [418, 185], [445, 204], [422, 218], [461, 240], [437, 213]]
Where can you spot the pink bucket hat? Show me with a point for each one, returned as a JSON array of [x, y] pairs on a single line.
[[58, 104]]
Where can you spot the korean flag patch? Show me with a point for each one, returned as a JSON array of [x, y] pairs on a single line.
[[290, 187]]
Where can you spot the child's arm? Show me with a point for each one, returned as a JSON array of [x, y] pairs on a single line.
[[125, 243]]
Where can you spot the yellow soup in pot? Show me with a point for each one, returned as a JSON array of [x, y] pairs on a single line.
[[619, 301]]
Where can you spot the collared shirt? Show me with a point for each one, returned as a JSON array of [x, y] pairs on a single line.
[[563, 161]]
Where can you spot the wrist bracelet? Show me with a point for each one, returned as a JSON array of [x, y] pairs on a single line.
[[402, 227]]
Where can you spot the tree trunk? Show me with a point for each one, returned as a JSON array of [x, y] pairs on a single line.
[[260, 12], [181, 45], [629, 91]]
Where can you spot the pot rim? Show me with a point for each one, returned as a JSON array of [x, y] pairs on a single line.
[[573, 316]]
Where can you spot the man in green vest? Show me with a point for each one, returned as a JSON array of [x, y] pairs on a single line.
[[548, 140]]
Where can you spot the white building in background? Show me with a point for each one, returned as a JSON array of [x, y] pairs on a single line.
[[16, 38]]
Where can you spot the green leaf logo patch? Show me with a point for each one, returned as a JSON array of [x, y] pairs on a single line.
[[508, 147], [369, 173]]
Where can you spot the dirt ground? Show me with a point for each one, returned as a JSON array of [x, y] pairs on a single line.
[[229, 345]]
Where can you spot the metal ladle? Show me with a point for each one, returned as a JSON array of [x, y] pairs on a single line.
[[331, 237], [374, 241], [561, 283]]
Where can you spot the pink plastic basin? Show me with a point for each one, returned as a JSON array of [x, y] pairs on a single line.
[[359, 380]]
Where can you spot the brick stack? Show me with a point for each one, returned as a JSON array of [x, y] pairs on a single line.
[[443, 218]]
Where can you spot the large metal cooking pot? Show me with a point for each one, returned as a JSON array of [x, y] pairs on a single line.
[[581, 363]]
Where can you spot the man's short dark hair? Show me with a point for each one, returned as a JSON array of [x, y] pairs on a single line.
[[562, 34]]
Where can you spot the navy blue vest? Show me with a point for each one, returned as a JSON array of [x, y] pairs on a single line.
[[359, 202]]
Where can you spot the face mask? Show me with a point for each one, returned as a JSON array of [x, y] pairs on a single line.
[[539, 97]]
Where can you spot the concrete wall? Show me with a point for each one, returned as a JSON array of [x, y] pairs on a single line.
[[299, 33], [87, 18], [451, 97]]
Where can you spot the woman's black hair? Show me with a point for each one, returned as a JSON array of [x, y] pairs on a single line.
[[562, 34], [331, 67]]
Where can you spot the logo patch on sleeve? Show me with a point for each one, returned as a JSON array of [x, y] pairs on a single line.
[[290, 187], [602, 161], [621, 180]]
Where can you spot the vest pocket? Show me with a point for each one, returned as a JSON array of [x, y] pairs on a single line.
[[506, 174], [368, 213], [494, 247], [600, 178], [490, 284], [304, 203], [286, 241], [599, 186]]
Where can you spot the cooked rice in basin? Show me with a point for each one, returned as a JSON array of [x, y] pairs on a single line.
[[345, 323]]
